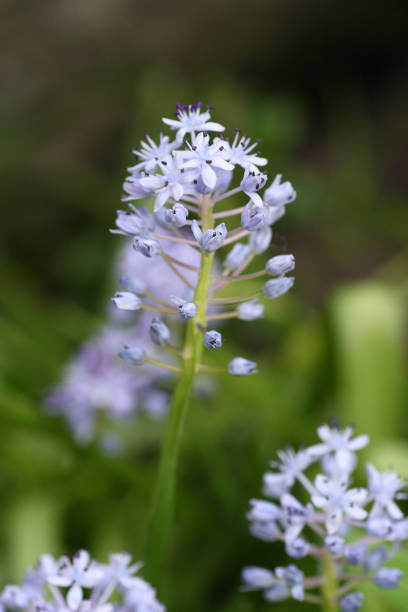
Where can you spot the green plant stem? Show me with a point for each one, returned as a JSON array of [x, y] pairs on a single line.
[[329, 586], [163, 501]]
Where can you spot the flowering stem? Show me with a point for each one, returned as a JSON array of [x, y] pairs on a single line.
[[163, 364], [163, 500], [329, 586], [235, 300]]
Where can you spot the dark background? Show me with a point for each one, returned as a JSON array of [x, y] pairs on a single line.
[[324, 85]]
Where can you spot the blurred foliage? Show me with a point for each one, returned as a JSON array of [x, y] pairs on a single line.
[[84, 83]]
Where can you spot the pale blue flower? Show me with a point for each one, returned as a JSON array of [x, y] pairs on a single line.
[[249, 311], [203, 157], [251, 183], [351, 602], [149, 247], [388, 578], [298, 548], [383, 488], [253, 216], [237, 256], [241, 367], [212, 239], [125, 300], [260, 240], [134, 222], [151, 153], [280, 265], [279, 194], [190, 119], [276, 287], [212, 339], [375, 558], [240, 152], [134, 285], [177, 215], [355, 553], [335, 544], [186, 310], [159, 332], [135, 354]]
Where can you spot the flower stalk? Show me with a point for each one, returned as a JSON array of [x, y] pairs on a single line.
[[162, 509], [329, 584]]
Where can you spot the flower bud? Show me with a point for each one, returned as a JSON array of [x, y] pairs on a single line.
[[351, 602], [135, 285], [253, 217], [125, 300], [388, 577], [177, 215], [134, 354], [241, 367], [257, 577], [251, 183], [212, 239], [134, 222], [237, 255], [355, 553], [334, 544], [276, 287], [248, 311], [268, 532], [281, 264], [212, 339], [297, 548], [273, 213], [159, 332], [149, 247], [260, 240], [375, 558], [279, 194]]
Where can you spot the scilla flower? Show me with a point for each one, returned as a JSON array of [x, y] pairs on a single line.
[[191, 178], [335, 526], [82, 585]]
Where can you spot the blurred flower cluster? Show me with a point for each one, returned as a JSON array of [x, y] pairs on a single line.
[[356, 530], [97, 387], [82, 585], [188, 178]]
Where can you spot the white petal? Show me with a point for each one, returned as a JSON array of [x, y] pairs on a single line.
[[161, 199], [172, 122], [324, 431], [211, 126], [355, 511], [221, 163], [359, 442], [192, 163], [393, 510], [152, 182], [317, 450], [178, 191], [346, 460], [81, 559], [208, 175], [63, 581], [74, 596], [195, 228], [319, 501], [255, 197]]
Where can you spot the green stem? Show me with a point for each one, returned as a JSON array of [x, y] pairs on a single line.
[[163, 501], [329, 586]]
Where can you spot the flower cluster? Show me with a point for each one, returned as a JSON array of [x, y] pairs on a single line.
[[95, 382], [188, 177], [356, 530], [82, 585]]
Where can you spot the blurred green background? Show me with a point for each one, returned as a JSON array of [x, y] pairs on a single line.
[[323, 85]]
